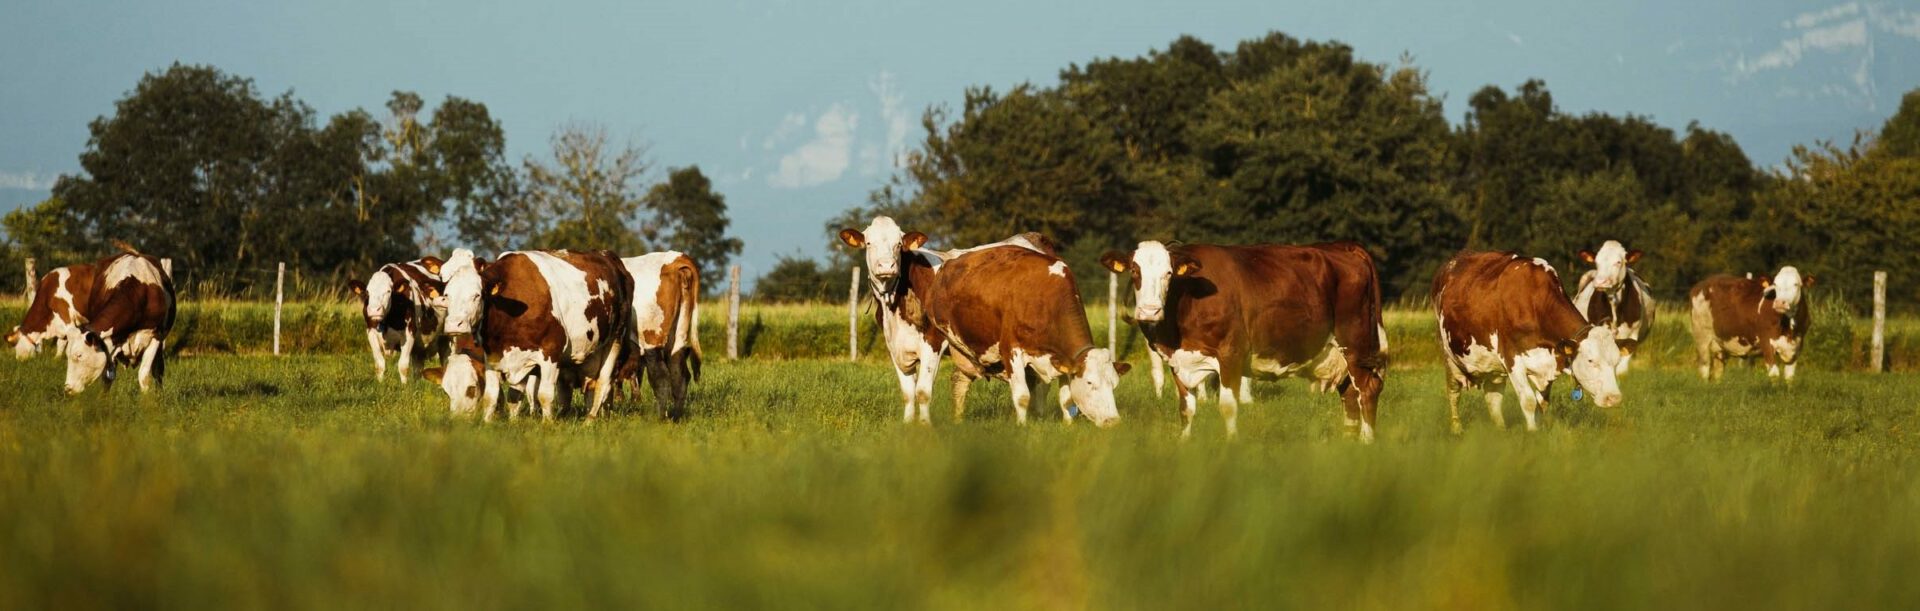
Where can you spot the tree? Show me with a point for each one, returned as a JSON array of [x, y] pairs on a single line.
[[587, 198], [693, 219], [795, 279], [1900, 136]]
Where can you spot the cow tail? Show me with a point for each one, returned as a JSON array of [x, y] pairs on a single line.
[[688, 322], [1375, 316]]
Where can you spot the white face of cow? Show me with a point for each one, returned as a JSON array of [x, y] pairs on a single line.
[[1092, 388], [24, 344], [379, 292], [884, 243], [1594, 364], [1153, 268], [462, 379], [88, 359], [463, 295], [1610, 265], [1786, 287]]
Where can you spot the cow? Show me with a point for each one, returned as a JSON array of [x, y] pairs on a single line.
[[58, 300], [1505, 316], [1008, 309], [899, 274], [1745, 317], [1271, 310], [398, 315], [1613, 296], [664, 339], [539, 320], [127, 319]]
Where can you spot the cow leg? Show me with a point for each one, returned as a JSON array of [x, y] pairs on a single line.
[[609, 362], [379, 354], [147, 357], [909, 381], [1156, 366], [404, 361], [549, 390], [489, 395], [1017, 377], [1493, 406], [1456, 382], [657, 369], [960, 383], [1066, 400], [1188, 405], [1246, 389], [1789, 371], [1719, 364], [1230, 372], [1529, 398], [159, 363], [1621, 370], [923, 382], [1366, 385]]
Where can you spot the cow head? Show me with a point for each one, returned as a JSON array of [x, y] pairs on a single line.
[[884, 243], [1091, 386], [1783, 289], [463, 379], [465, 292], [1153, 267], [1610, 265], [24, 344], [382, 294], [89, 357], [1594, 360]]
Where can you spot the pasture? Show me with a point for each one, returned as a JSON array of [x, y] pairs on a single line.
[[299, 483]]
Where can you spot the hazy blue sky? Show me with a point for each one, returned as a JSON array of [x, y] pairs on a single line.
[[797, 108]]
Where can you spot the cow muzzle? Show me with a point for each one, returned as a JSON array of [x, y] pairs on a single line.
[[1607, 400], [1148, 315]]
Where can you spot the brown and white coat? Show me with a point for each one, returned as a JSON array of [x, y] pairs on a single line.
[[126, 320], [1613, 296], [1747, 318], [58, 300], [664, 342], [400, 316]]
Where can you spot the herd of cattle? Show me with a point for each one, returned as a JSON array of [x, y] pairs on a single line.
[[533, 327]]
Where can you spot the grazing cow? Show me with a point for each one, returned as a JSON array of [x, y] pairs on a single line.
[[1613, 296], [399, 316], [127, 318], [61, 296], [900, 274], [1502, 315], [1271, 310], [538, 317], [1739, 316], [665, 336], [1007, 309]]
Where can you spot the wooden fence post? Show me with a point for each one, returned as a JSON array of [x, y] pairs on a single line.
[[279, 297], [1113, 312], [733, 312], [1879, 351], [853, 315], [33, 281]]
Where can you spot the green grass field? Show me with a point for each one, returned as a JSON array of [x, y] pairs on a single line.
[[299, 483]]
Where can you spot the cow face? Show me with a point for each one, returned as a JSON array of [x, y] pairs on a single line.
[[1153, 268], [1091, 388], [463, 380], [24, 344], [1594, 361], [1784, 289], [384, 295], [465, 288], [884, 243], [1610, 265], [89, 357]]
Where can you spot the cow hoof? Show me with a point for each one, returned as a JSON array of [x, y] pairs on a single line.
[[1456, 428]]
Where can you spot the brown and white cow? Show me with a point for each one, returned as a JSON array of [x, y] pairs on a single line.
[[900, 274], [126, 320], [665, 335], [1613, 296], [1008, 309], [1271, 310], [1505, 316], [58, 300], [399, 316], [1746, 317], [540, 319]]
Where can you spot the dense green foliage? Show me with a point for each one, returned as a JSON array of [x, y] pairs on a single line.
[[298, 483], [795, 279], [692, 219]]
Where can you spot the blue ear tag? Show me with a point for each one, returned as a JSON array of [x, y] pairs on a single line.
[[1578, 394], [1073, 411]]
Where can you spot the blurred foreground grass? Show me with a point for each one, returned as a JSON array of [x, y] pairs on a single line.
[[299, 483]]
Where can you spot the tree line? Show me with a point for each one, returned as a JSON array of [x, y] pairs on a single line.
[[1291, 141], [194, 164]]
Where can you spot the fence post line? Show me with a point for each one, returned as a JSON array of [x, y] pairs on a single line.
[[1113, 313], [733, 312], [279, 297], [853, 315], [1879, 351], [33, 281]]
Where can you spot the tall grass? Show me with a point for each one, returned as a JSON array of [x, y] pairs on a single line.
[[299, 483]]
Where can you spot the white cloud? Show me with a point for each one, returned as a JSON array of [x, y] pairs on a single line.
[[1833, 38], [1813, 18], [824, 158], [789, 124], [1897, 22], [1517, 41], [25, 180], [893, 113]]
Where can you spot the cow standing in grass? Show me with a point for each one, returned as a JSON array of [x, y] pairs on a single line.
[[1505, 317], [126, 320], [1009, 309], [664, 342], [1613, 296], [400, 317], [58, 300], [900, 275], [1747, 317], [1280, 311], [541, 321]]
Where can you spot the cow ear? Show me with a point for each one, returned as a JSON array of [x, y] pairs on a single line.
[[433, 374], [913, 240], [400, 288], [1766, 283], [479, 264], [1568, 347], [1806, 282], [493, 290], [1627, 346], [1121, 368], [432, 264], [1115, 261], [1632, 255], [433, 293], [1586, 255], [1185, 267], [853, 238], [358, 287]]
